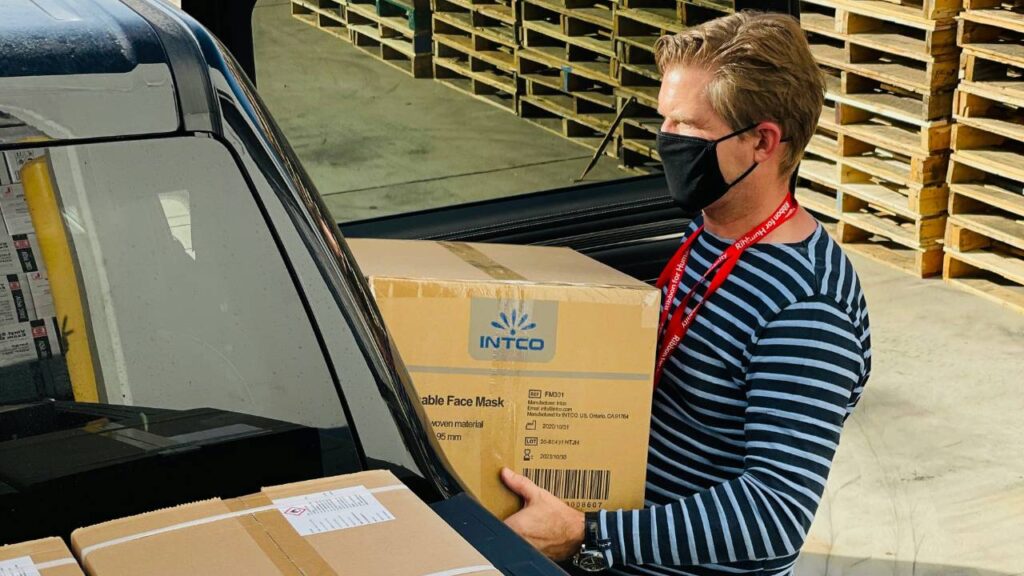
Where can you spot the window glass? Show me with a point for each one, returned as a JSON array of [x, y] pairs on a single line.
[[389, 119], [141, 282]]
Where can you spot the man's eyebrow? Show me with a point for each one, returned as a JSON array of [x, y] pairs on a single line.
[[681, 119]]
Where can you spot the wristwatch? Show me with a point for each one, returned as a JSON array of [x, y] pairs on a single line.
[[591, 557]]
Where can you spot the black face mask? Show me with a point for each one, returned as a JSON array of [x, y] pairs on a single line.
[[694, 178]]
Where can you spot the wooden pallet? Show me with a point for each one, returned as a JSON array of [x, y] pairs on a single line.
[[404, 15], [565, 99], [638, 134], [892, 241], [822, 18], [818, 185], [394, 50], [636, 31], [867, 88], [827, 49], [684, 13], [486, 21], [557, 114], [903, 11], [923, 76], [390, 30], [873, 157], [912, 139], [502, 11], [985, 232], [894, 101], [587, 50], [474, 65], [982, 4], [915, 40], [993, 54], [983, 265], [642, 81], [327, 15]]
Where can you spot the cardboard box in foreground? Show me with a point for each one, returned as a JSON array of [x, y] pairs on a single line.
[[539, 359], [46, 557], [367, 523]]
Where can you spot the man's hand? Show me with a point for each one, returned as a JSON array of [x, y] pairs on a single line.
[[546, 522]]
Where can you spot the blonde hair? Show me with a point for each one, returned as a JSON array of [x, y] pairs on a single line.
[[762, 70]]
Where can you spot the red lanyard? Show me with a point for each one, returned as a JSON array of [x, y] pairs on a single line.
[[726, 261]]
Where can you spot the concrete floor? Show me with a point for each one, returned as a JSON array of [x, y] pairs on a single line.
[[929, 479], [376, 141]]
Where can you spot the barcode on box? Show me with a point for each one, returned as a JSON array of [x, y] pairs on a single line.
[[572, 484]]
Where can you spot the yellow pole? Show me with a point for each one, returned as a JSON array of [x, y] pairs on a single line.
[[41, 198]]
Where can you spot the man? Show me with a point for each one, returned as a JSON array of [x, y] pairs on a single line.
[[765, 346]]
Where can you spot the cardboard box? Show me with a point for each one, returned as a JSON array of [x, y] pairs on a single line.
[[28, 341], [15, 210], [367, 524], [31, 367], [5, 175], [16, 160], [46, 557], [15, 300], [539, 359], [42, 297], [9, 263], [20, 254]]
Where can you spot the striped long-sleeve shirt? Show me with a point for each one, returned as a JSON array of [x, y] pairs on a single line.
[[748, 414]]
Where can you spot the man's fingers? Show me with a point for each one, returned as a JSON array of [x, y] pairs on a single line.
[[519, 484]]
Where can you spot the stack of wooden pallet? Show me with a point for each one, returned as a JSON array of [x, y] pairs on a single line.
[[883, 155], [985, 233], [566, 68], [395, 31], [474, 48], [638, 25]]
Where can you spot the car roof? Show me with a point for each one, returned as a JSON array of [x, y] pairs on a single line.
[[58, 37]]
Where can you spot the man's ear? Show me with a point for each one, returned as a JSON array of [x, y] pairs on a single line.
[[769, 141]]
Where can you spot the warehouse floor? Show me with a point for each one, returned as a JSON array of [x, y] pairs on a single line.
[[929, 479], [368, 134]]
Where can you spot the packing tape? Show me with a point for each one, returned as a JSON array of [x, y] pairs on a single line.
[[289, 551], [54, 564], [481, 261], [201, 521]]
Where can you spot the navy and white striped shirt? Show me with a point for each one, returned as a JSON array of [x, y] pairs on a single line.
[[748, 414]]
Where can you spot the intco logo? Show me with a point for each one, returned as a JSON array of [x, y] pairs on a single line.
[[513, 333], [513, 330]]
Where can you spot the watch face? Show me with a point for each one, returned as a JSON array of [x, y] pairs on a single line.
[[591, 561]]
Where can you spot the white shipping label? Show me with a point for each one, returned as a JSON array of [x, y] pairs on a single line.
[[18, 567], [333, 510]]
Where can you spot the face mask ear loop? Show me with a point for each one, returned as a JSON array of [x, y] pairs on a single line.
[[737, 133], [742, 176]]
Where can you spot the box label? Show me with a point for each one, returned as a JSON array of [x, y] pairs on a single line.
[[16, 160], [513, 330], [17, 218], [15, 303], [333, 510], [27, 342], [22, 566]]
